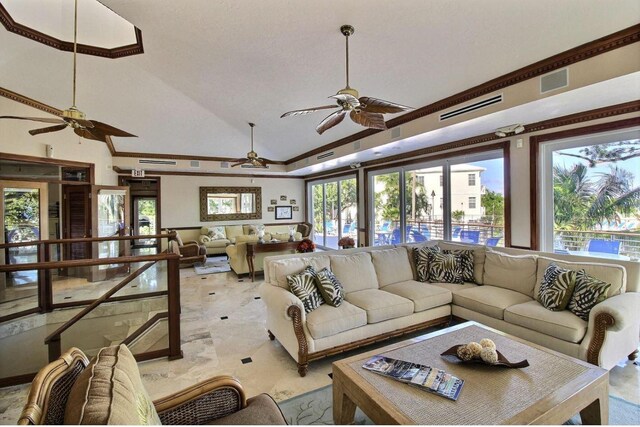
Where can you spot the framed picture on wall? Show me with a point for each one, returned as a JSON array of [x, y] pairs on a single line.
[[270, 209], [284, 212], [292, 201], [283, 198], [296, 208], [274, 202]]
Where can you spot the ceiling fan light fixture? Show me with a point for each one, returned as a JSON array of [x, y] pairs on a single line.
[[505, 130]]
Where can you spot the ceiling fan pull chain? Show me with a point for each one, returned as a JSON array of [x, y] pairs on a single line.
[[75, 49]]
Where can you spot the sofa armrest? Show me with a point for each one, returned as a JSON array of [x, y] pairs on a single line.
[[624, 308], [204, 238], [278, 300], [190, 249], [232, 250], [203, 402]]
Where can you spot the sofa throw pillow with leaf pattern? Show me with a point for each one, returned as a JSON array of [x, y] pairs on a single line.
[[444, 268], [217, 233], [330, 287], [303, 285], [421, 259], [588, 292], [556, 287], [465, 258]]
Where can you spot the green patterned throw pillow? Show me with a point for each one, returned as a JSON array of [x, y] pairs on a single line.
[[465, 258], [556, 287], [588, 292], [303, 285], [421, 258], [444, 268], [330, 287]]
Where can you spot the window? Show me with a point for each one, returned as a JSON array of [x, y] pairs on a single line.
[[334, 211], [472, 179], [590, 195], [403, 208]]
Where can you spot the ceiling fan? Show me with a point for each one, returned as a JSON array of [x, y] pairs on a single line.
[[72, 117], [252, 157], [364, 110]]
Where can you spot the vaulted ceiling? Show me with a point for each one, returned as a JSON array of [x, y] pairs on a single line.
[[209, 67]]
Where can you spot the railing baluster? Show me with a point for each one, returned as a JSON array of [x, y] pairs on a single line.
[[173, 286]]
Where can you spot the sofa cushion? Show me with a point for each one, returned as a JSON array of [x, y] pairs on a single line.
[[280, 269], [489, 300], [110, 391], [588, 292], [326, 320], [610, 273], [532, 315], [444, 267], [355, 272], [222, 243], [249, 229], [421, 261], [330, 287], [517, 273], [410, 247], [455, 288], [423, 295], [380, 305], [391, 265], [303, 285], [556, 288], [260, 410], [233, 231], [465, 261], [479, 253], [217, 232]]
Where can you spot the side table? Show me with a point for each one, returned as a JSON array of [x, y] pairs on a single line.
[[254, 247]]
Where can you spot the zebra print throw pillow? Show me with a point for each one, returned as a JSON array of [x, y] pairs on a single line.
[[444, 268], [330, 287], [421, 258], [556, 287], [303, 285], [588, 292], [465, 258]]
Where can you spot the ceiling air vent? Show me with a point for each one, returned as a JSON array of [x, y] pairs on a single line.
[[157, 162], [395, 133], [195, 163], [224, 165], [556, 80], [325, 155], [472, 107], [356, 145], [246, 166]]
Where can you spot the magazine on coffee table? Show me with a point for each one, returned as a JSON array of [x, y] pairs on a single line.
[[424, 377]]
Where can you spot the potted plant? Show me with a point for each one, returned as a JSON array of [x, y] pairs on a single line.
[[306, 245], [346, 242]]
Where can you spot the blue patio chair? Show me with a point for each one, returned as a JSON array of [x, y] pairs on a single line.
[[345, 228], [396, 236], [456, 232], [329, 227], [386, 225], [604, 246], [470, 236], [493, 241], [418, 237]]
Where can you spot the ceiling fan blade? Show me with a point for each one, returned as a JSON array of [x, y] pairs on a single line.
[[368, 120], [346, 98], [48, 129], [306, 111], [265, 160], [259, 163], [35, 119], [109, 130], [242, 162], [330, 121], [90, 134], [82, 122], [375, 105]]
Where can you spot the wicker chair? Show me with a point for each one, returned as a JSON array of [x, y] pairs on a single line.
[[190, 252], [218, 400]]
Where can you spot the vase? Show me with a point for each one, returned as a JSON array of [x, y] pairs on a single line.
[[347, 247]]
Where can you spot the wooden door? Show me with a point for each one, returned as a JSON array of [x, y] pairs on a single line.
[[76, 208]]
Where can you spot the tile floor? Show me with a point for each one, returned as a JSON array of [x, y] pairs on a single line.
[[223, 331]]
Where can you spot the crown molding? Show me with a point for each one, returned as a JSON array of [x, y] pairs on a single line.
[[6, 93], [117, 52], [181, 157], [580, 53]]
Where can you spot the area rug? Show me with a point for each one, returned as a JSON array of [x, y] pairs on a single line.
[[219, 264], [316, 407]]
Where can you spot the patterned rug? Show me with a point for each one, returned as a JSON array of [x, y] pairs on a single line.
[[316, 407], [217, 264]]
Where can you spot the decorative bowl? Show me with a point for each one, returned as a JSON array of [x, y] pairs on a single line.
[[451, 355]]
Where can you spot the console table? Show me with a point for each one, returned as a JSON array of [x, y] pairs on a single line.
[[254, 247]]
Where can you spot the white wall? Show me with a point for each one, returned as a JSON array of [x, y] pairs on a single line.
[[180, 198], [15, 139]]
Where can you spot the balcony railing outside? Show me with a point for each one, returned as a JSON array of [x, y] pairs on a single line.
[[564, 240]]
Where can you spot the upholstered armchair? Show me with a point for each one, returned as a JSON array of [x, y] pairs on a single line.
[[190, 252], [63, 393]]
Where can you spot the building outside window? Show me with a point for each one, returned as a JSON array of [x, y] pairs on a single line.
[[472, 202], [472, 179]]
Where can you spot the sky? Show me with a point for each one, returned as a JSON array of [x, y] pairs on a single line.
[[493, 177]]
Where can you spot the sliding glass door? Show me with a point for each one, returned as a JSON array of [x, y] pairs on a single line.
[[333, 205]]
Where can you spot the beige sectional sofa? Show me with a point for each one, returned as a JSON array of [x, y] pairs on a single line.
[[383, 299], [232, 232]]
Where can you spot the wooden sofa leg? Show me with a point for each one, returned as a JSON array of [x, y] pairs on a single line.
[[634, 355], [602, 322], [271, 336], [303, 350]]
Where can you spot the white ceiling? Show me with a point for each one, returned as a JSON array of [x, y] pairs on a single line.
[[209, 67]]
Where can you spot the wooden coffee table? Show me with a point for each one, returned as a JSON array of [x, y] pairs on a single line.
[[550, 391]]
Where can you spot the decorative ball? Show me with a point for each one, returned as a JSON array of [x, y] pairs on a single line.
[[464, 353], [486, 342], [489, 355], [475, 349]]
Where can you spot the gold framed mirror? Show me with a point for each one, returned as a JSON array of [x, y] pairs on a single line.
[[230, 203]]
